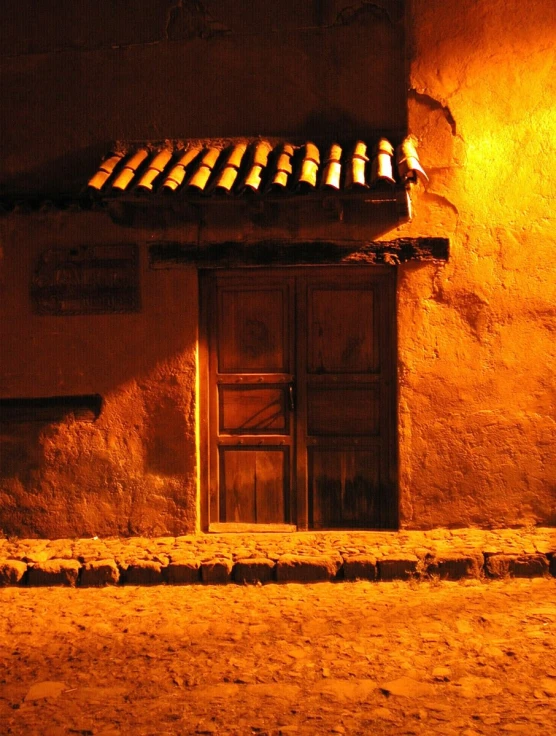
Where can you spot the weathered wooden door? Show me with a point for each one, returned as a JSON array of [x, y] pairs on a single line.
[[301, 403]]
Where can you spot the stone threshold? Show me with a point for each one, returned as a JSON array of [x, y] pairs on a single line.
[[300, 557]]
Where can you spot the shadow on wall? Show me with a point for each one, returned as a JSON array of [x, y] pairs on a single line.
[[23, 423], [63, 176]]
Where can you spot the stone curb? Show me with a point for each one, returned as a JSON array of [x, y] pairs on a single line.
[[499, 565], [294, 568]]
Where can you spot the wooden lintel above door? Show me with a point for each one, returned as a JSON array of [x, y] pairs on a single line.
[[288, 252]]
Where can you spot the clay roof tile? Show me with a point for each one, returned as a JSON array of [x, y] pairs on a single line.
[[257, 166]]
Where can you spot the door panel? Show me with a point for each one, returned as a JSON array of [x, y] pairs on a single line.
[[253, 485], [250, 409], [342, 410], [340, 340], [344, 487], [301, 397], [345, 364], [252, 330], [251, 357]]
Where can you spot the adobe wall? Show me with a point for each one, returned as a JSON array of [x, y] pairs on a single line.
[[475, 336], [134, 469], [76, 78]]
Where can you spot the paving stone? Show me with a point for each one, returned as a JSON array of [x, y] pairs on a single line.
[[253, 570], [54, 572], [474, 687], [144, 572], [448, 554], [529, 566], [307, 568], [397, 567], [87, 550], [61, 549], [12, 571], [352, 689], [183, 571], [360, 567], [160, 557], [407, 687], [216, 571], [456, 565], [545, 546], [98, 573], [46, 689], [33, 543], [38, 555], [519, 566]]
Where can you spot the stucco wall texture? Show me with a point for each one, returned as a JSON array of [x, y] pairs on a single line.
[[475, 335], [133, 470]]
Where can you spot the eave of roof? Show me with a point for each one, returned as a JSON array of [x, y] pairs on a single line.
[[267, 183], [263, 167]]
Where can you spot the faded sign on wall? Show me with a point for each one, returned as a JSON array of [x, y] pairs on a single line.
[[86, 280]]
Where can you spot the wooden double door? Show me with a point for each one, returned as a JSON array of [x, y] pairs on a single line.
[[300, 397]]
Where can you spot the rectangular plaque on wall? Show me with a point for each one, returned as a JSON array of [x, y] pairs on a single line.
[[89, 279]]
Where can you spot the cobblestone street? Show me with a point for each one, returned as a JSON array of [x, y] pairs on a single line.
[[469, 657]]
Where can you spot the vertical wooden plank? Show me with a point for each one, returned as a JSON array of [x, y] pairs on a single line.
[[238, 473], [271, 486], [207, 370], [325, 488], [300, 393], [345, 488], [253, 485], [386, 329]]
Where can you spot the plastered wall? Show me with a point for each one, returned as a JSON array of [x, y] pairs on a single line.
[[475, 335], [133, 470]]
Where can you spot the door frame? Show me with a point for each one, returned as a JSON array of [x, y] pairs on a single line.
[[388, 346]]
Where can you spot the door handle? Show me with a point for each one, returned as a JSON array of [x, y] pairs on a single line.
[[291, 397]]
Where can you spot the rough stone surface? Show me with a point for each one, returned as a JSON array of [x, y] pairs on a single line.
[[408, 688], [144, 572], [183, 570], [519, 566], [454, 565], [96, 573], [253, 570], [306, 568], [54, 572], [439, 553], [216, 571], [12, 571], [360, 567], [397, 567], [456, 659]]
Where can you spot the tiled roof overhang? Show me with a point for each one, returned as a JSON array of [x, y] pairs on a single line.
[[260, 183]]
